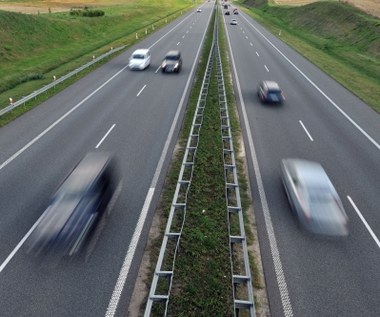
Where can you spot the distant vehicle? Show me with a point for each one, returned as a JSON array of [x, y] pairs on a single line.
[[76, 207], [226, 6], [140, 59], [172, 62], [227, 13], [199, 10], [270, 92], [235, 11], [233, 22], [313, 197]]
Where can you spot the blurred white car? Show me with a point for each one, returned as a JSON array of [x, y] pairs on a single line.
[[313, 197], [199, 10], [233, 22], [140, 59]]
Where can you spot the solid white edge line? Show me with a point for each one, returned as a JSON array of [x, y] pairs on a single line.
[[283, 288], [20, 244], [141, 90], [377, 145], [29, 144], [307, 132], [116, 294], [172, 29], [58, 121], [374, 237], [118, 289], [108, 132]]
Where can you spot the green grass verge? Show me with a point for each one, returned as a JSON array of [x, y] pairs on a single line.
[[202, 279], [341, 40], [34, 48]]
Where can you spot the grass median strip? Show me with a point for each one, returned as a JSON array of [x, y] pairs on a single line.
[[202, 274]]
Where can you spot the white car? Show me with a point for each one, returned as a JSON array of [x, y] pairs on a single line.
[[140, 59], [199, 10], [313, 197], [233, 22]]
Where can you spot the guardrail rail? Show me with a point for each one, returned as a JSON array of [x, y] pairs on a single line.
[[159, 293]]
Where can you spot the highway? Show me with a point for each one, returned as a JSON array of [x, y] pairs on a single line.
[[137, 116], [308, 275]]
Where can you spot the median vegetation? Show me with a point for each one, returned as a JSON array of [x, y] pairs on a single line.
[[340, 39], [202, 282]]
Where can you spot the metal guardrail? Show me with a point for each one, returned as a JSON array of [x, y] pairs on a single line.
[[159, 293], [58, 81], [162, 279], [240, 268]]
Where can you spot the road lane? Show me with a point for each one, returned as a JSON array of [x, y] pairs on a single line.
[[106, 97], [323, 277]]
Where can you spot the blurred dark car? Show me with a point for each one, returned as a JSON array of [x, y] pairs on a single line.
[[313, 197], [77, 206], [172, 62], [227, 13], [270, 92]]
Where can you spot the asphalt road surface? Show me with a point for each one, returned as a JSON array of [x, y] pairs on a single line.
[[134, 114], [320, 120]]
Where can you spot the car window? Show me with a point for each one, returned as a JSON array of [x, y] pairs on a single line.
[[172, 57], [319, 194], [138, 56]]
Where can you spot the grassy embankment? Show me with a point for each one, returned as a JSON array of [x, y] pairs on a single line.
[[34, 48], [341, 40], [202, 274]]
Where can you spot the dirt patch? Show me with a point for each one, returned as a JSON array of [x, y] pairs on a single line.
[[369, 6], [37, 7]]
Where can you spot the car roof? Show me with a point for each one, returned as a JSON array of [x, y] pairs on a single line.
[[308, 172], [87, 170], [173, 52], [142, 51], [271, 84]]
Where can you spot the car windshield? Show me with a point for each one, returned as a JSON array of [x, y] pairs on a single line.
[[319, 195], [138, 56], [172, 57]]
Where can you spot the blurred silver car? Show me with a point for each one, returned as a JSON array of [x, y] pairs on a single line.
[[313, 197]]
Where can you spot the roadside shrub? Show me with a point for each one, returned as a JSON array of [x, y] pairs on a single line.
[[86, 12]]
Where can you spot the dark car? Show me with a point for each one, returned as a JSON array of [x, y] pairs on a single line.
[[172, 62], [235, 11], [227, 13], [270, 92], [313, 197], [76, 207]]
